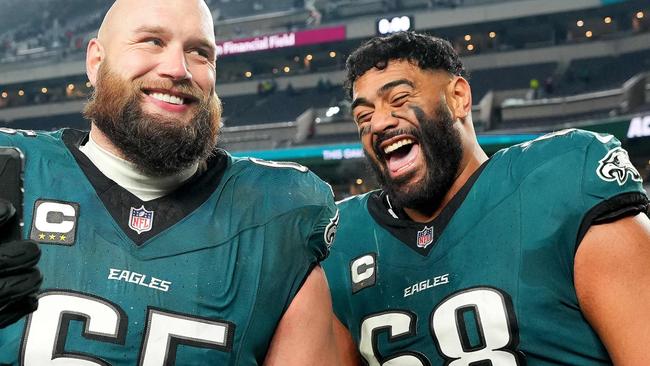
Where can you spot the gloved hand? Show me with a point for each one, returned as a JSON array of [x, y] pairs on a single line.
[[19, 277]]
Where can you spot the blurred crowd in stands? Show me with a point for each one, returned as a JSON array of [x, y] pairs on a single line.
[[58, 28], [64, 26], [53, 27]]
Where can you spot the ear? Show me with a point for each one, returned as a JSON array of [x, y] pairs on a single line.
[[94, 57], [460, 97]]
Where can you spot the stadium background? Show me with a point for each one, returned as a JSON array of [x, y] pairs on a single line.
[[535, 67]]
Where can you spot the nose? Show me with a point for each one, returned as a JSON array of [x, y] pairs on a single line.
[[174, 65], [383, 120]]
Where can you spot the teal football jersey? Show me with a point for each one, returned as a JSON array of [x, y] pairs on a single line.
[[201, 276], [490, 280]]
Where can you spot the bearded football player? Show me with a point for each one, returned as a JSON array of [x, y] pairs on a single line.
[[537, 255], [157, 248]]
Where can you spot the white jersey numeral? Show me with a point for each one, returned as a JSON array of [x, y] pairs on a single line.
[[490, 315], [492, 338], [166, 330], [47, 330], [398, 325]]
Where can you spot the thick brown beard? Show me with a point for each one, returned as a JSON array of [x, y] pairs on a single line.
[[156, 144]]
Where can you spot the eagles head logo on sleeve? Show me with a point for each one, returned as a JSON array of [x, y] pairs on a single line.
[[330, 230], [616, 166]]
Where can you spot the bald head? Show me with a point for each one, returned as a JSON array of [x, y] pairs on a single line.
[[132, 26], [109, 19], [124, 13]]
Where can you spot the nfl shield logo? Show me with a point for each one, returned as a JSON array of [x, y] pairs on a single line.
[[140, 219], [425, 237]]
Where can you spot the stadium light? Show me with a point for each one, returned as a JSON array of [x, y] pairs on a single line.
[[470, 47], [248, 74], [44, 90], [588, 34], [580, 23], [21, 92], [607, 20], [331, 111], [309, 57], [468, 37], [287, 69], [396, 24], [640, 15], [88, 84], [492, 35], [332, 54], [4, 95], [71, 87], [359, 181]]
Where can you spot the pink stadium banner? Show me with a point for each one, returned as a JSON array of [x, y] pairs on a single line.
[[281, 40]]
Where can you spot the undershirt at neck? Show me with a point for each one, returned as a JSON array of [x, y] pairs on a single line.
[[126, 175]]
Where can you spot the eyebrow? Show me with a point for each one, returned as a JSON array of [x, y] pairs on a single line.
[[384, 88], [151, 29], [390, 85], [360, 101], [155, 29]]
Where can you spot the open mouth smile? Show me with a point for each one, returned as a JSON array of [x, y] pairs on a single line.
[[170, 100], [400, 154]]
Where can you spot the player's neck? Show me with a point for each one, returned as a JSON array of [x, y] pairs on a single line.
[[127, 176], [469, 165]]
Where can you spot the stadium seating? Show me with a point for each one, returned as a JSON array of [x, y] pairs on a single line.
[[279, 106], [603, 72], [230, 9], [504, 78]]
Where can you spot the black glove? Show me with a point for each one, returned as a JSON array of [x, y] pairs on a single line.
[[19, 277]]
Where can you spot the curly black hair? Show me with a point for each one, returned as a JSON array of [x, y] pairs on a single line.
[[425, 51]]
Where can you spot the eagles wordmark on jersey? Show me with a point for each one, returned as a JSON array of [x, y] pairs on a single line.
[[490, 280], [200, 276]]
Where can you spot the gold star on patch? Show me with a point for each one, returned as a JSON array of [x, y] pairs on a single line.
[[41, 236], [62, 237], [52, 237]]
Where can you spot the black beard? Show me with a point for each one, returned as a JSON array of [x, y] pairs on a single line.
[[441, 145], [158, 146]]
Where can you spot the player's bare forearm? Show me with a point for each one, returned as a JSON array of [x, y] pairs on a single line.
[[348, 354], [305, 334], [612, 279]]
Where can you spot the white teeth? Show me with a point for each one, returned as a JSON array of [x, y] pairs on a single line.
[[396, 145], [168, 98]]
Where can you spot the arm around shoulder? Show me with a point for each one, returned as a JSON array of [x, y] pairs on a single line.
[[612, 280]]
